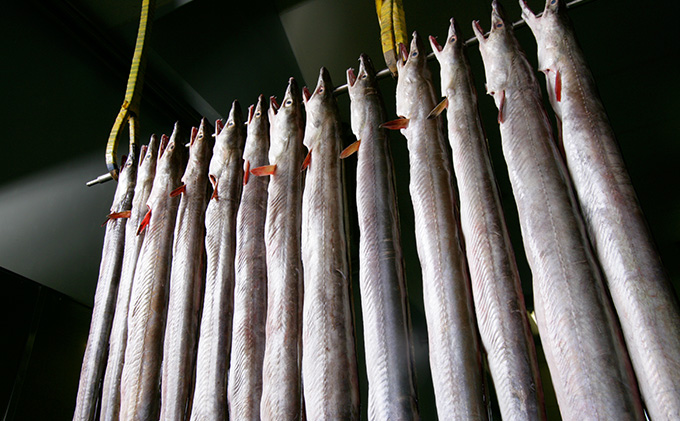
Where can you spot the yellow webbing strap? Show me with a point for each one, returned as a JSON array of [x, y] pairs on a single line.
[[392, 30], [129, 111]]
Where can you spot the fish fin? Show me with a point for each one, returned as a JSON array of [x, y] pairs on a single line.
[[264, 170], [307, 161], [213, 181], [558, 86], [116, 215], [400, 123], [179, 190], [246, 173], [350, 149], [436, 111], [144, 222], [501, 107]]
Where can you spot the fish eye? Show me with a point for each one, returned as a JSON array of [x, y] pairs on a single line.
[[414, 54], [230, 123], [364, 76], [452, 39], [257, 114], [288, 103], [553, 1], [500, 25], [320, 89]]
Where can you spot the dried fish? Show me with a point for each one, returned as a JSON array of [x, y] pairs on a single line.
[[455, 358], [329, 367], [210, 393], [588, 362], [639, 285], [250, 287], [281, 397], [94, 360], [140, 384], [385, 312], [496, 288], [110, 407]]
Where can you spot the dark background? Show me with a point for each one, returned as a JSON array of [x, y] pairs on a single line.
[[65, 66]]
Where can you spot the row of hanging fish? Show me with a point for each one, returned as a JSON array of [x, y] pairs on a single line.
[[236, 301]]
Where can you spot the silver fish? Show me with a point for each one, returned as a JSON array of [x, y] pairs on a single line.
[[250, 287], [455, 357], [187, 276], [281, 397], [110, 407], [639, 285], [387, 327], [94, 360], [140, 384], [329, 367], [226, 174], [588, 362], [496, 288]]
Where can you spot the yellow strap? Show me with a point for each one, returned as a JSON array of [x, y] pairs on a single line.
[[392, 29], [129, 111]]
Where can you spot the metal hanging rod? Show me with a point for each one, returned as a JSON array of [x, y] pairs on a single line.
[[386, 72]]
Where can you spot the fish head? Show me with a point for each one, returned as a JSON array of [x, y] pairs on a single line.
[[286, 120], [498, 49], [413, 76], [147, 158], [230, 138], [451, 58], [550, 30], [170, 166], [359, 86], [258, 130], [126, 183], [319, 105], [200, 147]]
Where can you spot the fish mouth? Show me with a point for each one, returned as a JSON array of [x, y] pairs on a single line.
[[219, 125], [164, 144], [435, 44], [351, 78], [306, 95], [251, 112], [273, 105], [479, 32]]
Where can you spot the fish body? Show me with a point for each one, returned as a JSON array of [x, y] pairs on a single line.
[[639, 285], [385, 312], [496, 288], [210, 393], [281, 389], [455, 358], [187, 276], [329, 367], [94, 360], [140, 384], [110, 407], [250, 285], [588, 362]]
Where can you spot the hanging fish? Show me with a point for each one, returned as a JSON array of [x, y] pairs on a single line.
[[94, 360], [588, 362], [329, 366], [639, 285], [250, 287], [140, 384], [455, 358], [385, 311], [496, 288], [110, 407], [281, 396], [187, 276], [226, 174]]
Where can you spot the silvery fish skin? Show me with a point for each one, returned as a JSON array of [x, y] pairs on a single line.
[[94, 360], [250, 287], [187, 276], [281, 397], [640, 288], [226, 174], [455, 358], [588, 362], [496, 288], [387, 327], [329, 367], [110, 407], [140, 385]]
